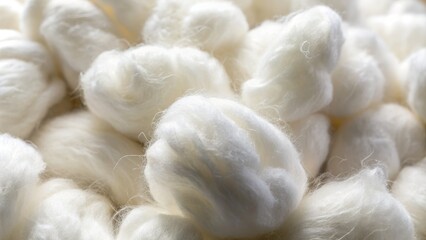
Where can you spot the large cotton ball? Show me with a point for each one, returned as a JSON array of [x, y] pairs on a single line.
[[348, 10], [20, 166], [410, 190], [10, 11], [62, 211], [224, 167], [388, 135], [414, 80], [28, 86], [312, 139], [357, 208], [151, 223], [77, 31], [292, 79], [84, 148], [129, 88], [403, 33]]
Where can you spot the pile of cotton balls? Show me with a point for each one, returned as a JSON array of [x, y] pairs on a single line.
[[212, 119]]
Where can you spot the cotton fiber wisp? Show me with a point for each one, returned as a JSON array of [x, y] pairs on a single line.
[[227, 169]]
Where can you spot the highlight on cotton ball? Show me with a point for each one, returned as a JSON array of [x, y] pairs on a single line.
[[152, 223], [312, 139], [20, 167], [356, 208], [292, 79], [10, 12], [410, 190], [389, 136], [84, 148], [29, 86], [414, 80], [61, 210], [228, 170], [128, 89]]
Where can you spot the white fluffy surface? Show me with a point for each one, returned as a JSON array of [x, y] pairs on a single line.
[[10, 11], [410, 190], [28, 85], [84, 148], [128, 89], [153, 223], [20, 166], [357, 208], [388, 135], [292, 79], [224, 167]]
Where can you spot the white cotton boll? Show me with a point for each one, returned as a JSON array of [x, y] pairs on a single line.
[[348, 10], [84, 148], [28, 88], [228, 170], [75, 30], [414, 79], [10, 11], [20, 166], [128, 89], [151, 223], [312, 139], [403, 33], [357, 208], [410, 190], [292, 79], [407, 6], [62, 211], [388, 135]]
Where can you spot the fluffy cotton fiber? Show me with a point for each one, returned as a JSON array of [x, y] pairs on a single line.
[[388, 135], [28, 85], [10, 11], [410, 190], [357, 208], [129, 88], [86, 149], [230, 171], [20, 166], [292, 79], [152, 223]]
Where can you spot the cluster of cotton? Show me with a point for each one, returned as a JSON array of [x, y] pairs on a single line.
[[212, 119]]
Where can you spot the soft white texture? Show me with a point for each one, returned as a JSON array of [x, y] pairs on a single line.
[[312, 139], [28, 86], [84, 148], [59, 210], [388, 135], [358, 81], [128, 89], [410, 190], [380, 7], [292, 79], [357, 208], [348, 10], [20, 166], [152, 223], [414, 79], [10, 11], [408, 6], [230, 171], [403, 33]]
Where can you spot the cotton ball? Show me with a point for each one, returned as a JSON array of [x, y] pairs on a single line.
[[129, 88], [410, 190], [357, 208], [348, 10], [407, 6], [28, 86], [388, 135], [224, 167], [20, 166], [151, 223], [292, 79], [312, 139], [84, 148], [414, 79], [76, 31], [10, 11], [403, 33], [63, 211]]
